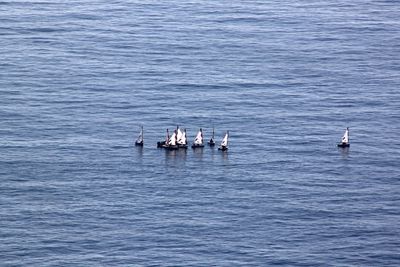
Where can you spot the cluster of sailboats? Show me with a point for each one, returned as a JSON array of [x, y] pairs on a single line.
[[178, 140]]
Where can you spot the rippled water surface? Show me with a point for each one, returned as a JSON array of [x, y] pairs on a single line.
[[79, 78]]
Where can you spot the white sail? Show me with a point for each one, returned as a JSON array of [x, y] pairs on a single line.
[[345, 138], [199, 138], [180, 137], [183, 140], [172, 140], [224, 142], [178, 134], [140, 138]]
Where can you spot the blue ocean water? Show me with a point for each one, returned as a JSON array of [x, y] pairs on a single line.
[[78, 79]]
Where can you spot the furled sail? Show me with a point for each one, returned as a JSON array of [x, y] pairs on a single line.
[[167, 137]]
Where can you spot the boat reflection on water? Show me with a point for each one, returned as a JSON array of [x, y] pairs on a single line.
[[139, 150], [176, 154], [198, 153], [224, 154], [137, 157], [344, 151]]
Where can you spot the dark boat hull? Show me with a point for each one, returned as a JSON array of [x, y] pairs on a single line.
[[138, 143], [211, 143], [343, 145], [160, 144], [223, 148]]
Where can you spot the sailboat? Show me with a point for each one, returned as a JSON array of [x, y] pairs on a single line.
[[345, 139], [181, 138], [139, 140], [161, 144], [171, 143], [224, 143], [198, 141], [212, 142]]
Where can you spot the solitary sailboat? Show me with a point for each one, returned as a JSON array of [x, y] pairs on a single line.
[[139, 140], [224, 143], [198, 141], [345, 139], [212, 142]]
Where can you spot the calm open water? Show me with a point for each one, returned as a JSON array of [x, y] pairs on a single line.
[[78, 78]]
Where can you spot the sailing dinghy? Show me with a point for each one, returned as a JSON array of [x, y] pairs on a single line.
[[212, 142], [345, 139], [139, 140], [161, 144], [181, 138], [171, 144], [224, 143], [198, 141]]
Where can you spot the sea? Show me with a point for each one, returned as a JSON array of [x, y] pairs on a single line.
[[78, 80]]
